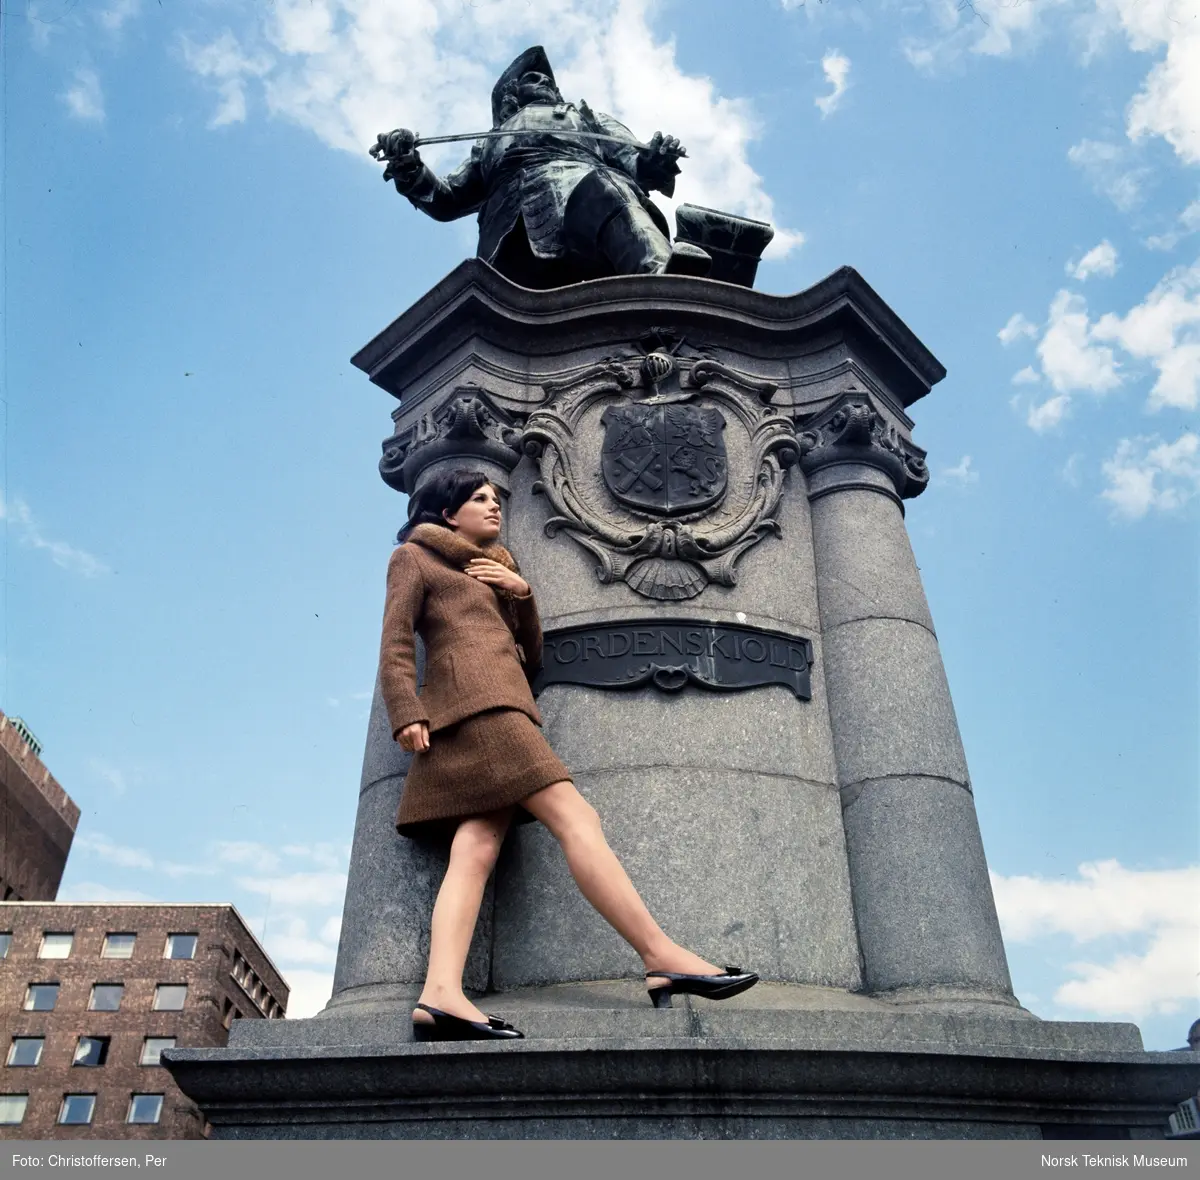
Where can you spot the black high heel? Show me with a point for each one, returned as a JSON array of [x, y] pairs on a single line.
[[711, 987], [456, 1028]]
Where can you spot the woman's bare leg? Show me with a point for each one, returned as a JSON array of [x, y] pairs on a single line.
[[603, 881], [473, 853]]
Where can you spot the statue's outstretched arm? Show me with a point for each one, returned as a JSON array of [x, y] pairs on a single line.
[[443, 198]]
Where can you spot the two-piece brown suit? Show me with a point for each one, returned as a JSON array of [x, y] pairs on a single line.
[[486, 751]]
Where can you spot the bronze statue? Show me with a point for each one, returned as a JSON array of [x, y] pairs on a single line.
[[560, 189]]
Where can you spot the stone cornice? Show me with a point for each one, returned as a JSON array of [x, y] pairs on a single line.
[[474, 300]]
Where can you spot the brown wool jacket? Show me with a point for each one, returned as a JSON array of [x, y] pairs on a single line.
[[470, 631]]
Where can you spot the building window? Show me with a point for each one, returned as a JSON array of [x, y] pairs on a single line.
[[91, 1051], [106, 997], [77, 1109], [152, 1048], [227, 1013], [41, 997], [180, 946], [56, 946], [118, 946], [169, 997], [26, 1050], [145, 1108], [12, 1109], [5, 943]]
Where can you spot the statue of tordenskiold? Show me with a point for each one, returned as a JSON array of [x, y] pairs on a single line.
[[554, 208]]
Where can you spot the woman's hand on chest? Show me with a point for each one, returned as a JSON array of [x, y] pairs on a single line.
[[492, 573]]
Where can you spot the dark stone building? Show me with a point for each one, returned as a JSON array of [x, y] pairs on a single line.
[[37, 818], [91, 994]]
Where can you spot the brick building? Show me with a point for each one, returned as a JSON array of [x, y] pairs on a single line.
[[37, 819], [90, 994]]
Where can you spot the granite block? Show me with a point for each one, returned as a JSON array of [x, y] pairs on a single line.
[[865, 564], [764, 730], [889, 703], [745, 869], [737, 1075], [922, 897]]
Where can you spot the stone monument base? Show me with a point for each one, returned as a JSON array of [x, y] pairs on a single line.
[[780, 1062]]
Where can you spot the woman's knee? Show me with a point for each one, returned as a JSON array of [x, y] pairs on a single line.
[[567, 814], [476, 843]]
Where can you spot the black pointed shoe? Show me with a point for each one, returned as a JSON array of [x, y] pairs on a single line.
[[710, 987], [456, 1028]]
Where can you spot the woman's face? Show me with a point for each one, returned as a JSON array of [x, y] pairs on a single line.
[[478, 520]]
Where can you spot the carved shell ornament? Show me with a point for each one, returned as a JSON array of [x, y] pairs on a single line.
[[667, 470]]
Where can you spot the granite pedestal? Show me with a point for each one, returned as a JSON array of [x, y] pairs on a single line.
[[780, 772]]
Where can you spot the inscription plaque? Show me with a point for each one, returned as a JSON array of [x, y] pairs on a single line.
[[671, 653]]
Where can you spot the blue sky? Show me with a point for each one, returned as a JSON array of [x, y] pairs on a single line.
[[195, 534]]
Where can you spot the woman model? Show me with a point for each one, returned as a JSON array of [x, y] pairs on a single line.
[[480, 759]]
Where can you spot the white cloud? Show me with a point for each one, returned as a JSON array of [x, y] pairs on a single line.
[[1187, 223], [67, 557], [84, 97], [297, 890], [1107, 900], [1026, 376], [1048, 414], [331, 66], [1071, 358], [310, 992], [991, 28], [288, 941], [101, 846], [1167, 103], [170, 869], [1165, 330], [1017, 327], [110, 774], [962, 471], [1146, 474], [836, 67], [117, 13], [1099, 260], [1107, 167], [328, 856], [223, 61], [1070, 470], [247, 852], [95, 891]]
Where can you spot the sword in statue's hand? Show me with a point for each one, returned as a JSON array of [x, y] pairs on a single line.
[[399, 147]]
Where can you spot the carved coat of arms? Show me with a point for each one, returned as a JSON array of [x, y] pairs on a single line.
[[665, 459], [664, 446]]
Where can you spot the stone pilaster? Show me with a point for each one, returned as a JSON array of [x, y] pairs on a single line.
[[923, 903]]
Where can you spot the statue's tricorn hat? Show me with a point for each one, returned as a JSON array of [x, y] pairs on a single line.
[[534, 58]]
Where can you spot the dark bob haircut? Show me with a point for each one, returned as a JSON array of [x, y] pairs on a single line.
[[444, 493]]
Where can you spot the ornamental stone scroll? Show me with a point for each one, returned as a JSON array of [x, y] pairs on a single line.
[[469, 426]]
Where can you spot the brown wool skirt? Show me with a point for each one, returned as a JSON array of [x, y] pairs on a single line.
[[483, 763]]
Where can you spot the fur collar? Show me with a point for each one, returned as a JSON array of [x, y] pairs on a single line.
[[458, 550]]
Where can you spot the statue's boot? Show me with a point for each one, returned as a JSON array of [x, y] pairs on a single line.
[[634, 245]]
